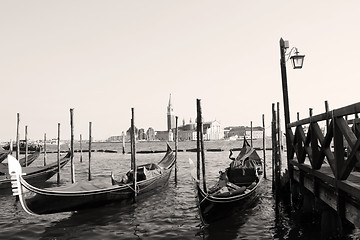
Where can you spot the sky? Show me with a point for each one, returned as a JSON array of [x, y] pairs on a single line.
[[103, 58]]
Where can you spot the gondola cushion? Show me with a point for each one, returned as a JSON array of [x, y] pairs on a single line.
[[241, 176]]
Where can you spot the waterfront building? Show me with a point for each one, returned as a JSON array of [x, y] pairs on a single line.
[[129, 131], [187, 135], [164, 136], [257, 133], [150, 134], [187, 132], [114, 139], [142, 134], [234, 132], [213, 130]]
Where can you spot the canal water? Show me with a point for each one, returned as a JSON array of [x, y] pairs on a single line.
[[167, 214]]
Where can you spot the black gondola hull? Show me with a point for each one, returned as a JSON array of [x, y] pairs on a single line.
[[213, 209], [47, 204]]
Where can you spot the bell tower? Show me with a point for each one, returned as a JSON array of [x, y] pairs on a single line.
[[170, 116]]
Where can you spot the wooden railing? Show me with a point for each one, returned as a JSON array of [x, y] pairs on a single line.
[[316, 145]]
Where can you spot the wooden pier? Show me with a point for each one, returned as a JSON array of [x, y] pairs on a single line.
[[323, 161]]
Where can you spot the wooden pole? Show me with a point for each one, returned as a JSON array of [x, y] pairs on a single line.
[[198, 146], [200, 124], [133, 158], [327, 116], [273, 141], [58, 154], [264, 147], [286, 105], [72, 145], [123, 143], [81, 152], [251, 134], [11, 145], [26, 146], [176, 146], [44, 149], [278, 149], [279, 132], [90, 140], [17, 137], [131, 145]]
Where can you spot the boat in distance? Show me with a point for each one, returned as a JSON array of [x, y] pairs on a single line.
[[35, 175], [236, 186], [30, 147], [86, 194]]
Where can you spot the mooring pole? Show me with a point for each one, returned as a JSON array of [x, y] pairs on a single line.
[[72, 145], [17, 137], [58, 154], [327, 116], [251, 134], [133, 158], [280, 137], [123, 143], [26, 146], [198, 146], [200, 125], [11, 145], [286, 104], [273, 141], [90, 140], [278, 151], [264, 147], [44, 149], [176, 146], [81, 152]]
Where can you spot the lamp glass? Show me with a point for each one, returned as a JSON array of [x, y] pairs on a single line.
[[297, 61]]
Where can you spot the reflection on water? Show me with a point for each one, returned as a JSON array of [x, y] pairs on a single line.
[[169, 214]]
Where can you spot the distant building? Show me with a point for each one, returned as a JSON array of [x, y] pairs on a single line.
[[142, 134], [170, 116], [114, 139], [129, 131], [150, 134], [213, 130], [234, 132], [187, 132], [257, 133], [187, 135], [164, 136], [188, 127]]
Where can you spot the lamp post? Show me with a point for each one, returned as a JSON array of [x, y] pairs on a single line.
[[297, 61]]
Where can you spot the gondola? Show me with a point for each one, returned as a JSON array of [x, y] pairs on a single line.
[[87, 194], [235, 188], [31, 158], [3, 154], [36, 175], [23, 162]]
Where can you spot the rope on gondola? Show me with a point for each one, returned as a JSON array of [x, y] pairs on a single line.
[[206, 196], [128, 185]]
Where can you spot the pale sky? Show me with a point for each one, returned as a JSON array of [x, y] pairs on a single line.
[[104, 57]]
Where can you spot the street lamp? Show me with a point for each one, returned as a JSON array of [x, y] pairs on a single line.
[[297, 61]]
